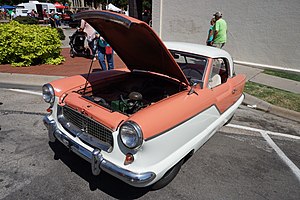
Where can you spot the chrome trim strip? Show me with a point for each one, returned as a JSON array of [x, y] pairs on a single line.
[[96, 159], [105, 16]]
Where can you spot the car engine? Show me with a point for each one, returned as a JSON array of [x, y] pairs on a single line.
[[130, 94]]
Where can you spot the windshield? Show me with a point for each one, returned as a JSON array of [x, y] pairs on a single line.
[[193, 66]]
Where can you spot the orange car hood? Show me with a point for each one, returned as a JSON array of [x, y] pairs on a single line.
[[134, 41]]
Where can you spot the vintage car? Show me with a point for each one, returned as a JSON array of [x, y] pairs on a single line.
[[142, 122]]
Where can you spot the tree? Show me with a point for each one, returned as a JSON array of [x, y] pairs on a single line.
[[120, 3], [16, 2], [147, 5], [11, 2]]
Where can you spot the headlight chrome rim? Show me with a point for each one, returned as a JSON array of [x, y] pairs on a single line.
[[48, 93], [138, 137]]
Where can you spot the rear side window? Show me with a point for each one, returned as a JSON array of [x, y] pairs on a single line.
[[219, 72]]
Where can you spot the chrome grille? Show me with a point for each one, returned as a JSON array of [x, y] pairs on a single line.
[[87, 125]]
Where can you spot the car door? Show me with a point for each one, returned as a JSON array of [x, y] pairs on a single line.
[[220, 84]]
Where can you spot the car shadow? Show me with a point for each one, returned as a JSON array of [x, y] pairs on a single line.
[[104, 182], [96, 70]]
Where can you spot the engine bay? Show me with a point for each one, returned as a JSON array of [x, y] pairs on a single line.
[[133, 92]]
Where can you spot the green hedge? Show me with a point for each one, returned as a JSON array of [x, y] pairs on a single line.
[[26, 45]]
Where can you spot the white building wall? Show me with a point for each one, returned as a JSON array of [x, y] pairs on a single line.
[[259, 31]]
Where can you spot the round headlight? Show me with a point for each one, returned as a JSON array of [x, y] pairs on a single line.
[[48, 93], [131, 135]]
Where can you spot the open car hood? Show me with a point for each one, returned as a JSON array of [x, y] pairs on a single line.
[[134, 41]]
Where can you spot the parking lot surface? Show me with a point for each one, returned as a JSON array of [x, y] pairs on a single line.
[[236, 163]]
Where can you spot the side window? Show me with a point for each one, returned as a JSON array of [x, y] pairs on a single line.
[[193, 66], [180, 59], [219, 72]]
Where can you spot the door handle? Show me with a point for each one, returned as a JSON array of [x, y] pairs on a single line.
[[234, 91]]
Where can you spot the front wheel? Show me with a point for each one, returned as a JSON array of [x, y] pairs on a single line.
[[168, 177]]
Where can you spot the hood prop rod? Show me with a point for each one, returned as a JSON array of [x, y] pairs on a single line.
[[87, 78], [192, 90]]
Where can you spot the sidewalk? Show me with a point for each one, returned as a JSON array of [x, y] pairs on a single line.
[[39, 75], [255, 75], [71, 66]]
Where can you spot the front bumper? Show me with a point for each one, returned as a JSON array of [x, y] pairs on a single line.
[[96, 159]]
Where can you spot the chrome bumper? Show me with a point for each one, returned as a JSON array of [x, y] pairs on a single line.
[[96, 159]]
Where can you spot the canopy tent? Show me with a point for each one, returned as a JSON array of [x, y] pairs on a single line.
[[113, 8], [7, 7], [59, 5]]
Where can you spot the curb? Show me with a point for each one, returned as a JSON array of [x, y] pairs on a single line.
[[259, 104], [26, 79]]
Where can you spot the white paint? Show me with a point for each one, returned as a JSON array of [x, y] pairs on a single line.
[[260, 130], [284, 135], [279, 152], [257, 65], [26, 91]]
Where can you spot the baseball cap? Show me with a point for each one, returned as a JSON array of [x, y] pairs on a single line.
[[218, 14]]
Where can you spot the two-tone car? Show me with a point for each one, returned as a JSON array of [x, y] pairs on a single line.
[[142, 122]]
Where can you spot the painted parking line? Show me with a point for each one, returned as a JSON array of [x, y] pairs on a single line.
[[260, 130], [280, 153]]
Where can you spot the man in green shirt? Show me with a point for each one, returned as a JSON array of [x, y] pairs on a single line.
[[220, 31]]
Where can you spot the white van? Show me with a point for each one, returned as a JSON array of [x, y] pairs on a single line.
[[23, 9]]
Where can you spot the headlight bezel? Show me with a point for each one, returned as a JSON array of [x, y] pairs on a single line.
[[48, 94], [134, 128]]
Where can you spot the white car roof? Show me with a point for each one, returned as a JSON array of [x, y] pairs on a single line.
[[211, 52], [207, 51]]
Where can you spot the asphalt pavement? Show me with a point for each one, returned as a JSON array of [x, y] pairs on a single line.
[[39, 75]]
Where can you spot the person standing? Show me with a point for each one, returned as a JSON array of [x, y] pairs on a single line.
[[57, 20], [90, 31], [220, 31], [45, 16], [105, 50], [210, 36], [11, 14], [52, 21], [5, 14]]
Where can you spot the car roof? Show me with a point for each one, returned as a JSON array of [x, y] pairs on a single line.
[[207, 51]]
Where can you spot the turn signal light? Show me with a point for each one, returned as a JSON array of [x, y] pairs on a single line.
[[49, 110], [128, 159]]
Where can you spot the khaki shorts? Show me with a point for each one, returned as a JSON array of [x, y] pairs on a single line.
[[218, 45]]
